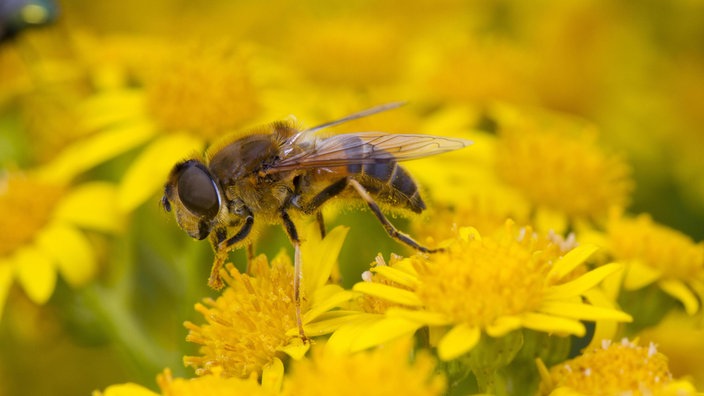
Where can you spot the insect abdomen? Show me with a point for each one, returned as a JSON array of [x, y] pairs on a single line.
[[392, 184]]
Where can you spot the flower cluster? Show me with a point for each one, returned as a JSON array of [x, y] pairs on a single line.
[[561, 252]]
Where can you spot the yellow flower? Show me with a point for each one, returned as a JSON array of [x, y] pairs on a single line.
[[654, 253], [677, 336], [40, 232], [497, 284], [374, 49], [211, 384], [246, 326], [556, 164], [253, 324], [50, 107], [614, 369], [178, 105], [384, 371]]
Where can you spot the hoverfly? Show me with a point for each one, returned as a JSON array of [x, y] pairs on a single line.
[[277, 169]]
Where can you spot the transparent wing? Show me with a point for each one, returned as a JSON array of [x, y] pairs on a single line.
[[366, 148]]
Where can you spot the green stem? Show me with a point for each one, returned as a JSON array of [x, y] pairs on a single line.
[[126, 332]]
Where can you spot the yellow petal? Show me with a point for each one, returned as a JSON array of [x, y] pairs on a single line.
[[296, 348], [458, 341], [639, 275], [323, 306], [571, 260], [128, 389], [585, 282], [36, 274], [93, 206], [71, 250], [273, 376], [551, 324], [681, 292], [112, 107], [583, 311], [148, 173], [503, 325], [604, 329], [427, 318], [382, 331], [327, 323], [5, 283], [395, 275], [389, 293], [341, 340], [94, 150], [320, 257]]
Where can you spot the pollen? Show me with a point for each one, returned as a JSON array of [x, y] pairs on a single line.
[[206, 91], [562, 168], [246, 326], [384, 371], [613, 369], [477, 280], [664, 249], [26, 207]]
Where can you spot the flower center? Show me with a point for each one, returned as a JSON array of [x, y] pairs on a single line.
[[501, 276], [614, 369], [26, 207], [562, 171], [248, 322], [202, 90]]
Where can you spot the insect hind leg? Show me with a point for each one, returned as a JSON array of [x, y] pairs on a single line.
[[390, 229]]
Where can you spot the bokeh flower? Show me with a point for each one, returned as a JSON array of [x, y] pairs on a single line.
[[614, 368], [384, 371], [657, 254], [42, 232], [211, 384], [178, 107], [558, 166]]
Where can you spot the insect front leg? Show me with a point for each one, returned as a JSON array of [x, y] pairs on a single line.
[[390, 229], [223, 246]]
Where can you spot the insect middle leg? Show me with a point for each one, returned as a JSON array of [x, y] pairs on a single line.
[[319, 199], [297, 269]]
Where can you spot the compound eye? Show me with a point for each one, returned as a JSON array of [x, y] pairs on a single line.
[[198, 192]]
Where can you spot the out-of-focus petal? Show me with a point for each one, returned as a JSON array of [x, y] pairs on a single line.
[[93, 206], [459, 340], [71, 250], [149, 171], [96, 149], [36, 273]]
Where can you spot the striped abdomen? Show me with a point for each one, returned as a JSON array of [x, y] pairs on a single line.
[[388, 182]]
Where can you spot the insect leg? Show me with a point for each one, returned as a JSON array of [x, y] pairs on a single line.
[[322, 197], [297, 268], [321, 223], [390, 229], [223, 247]]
